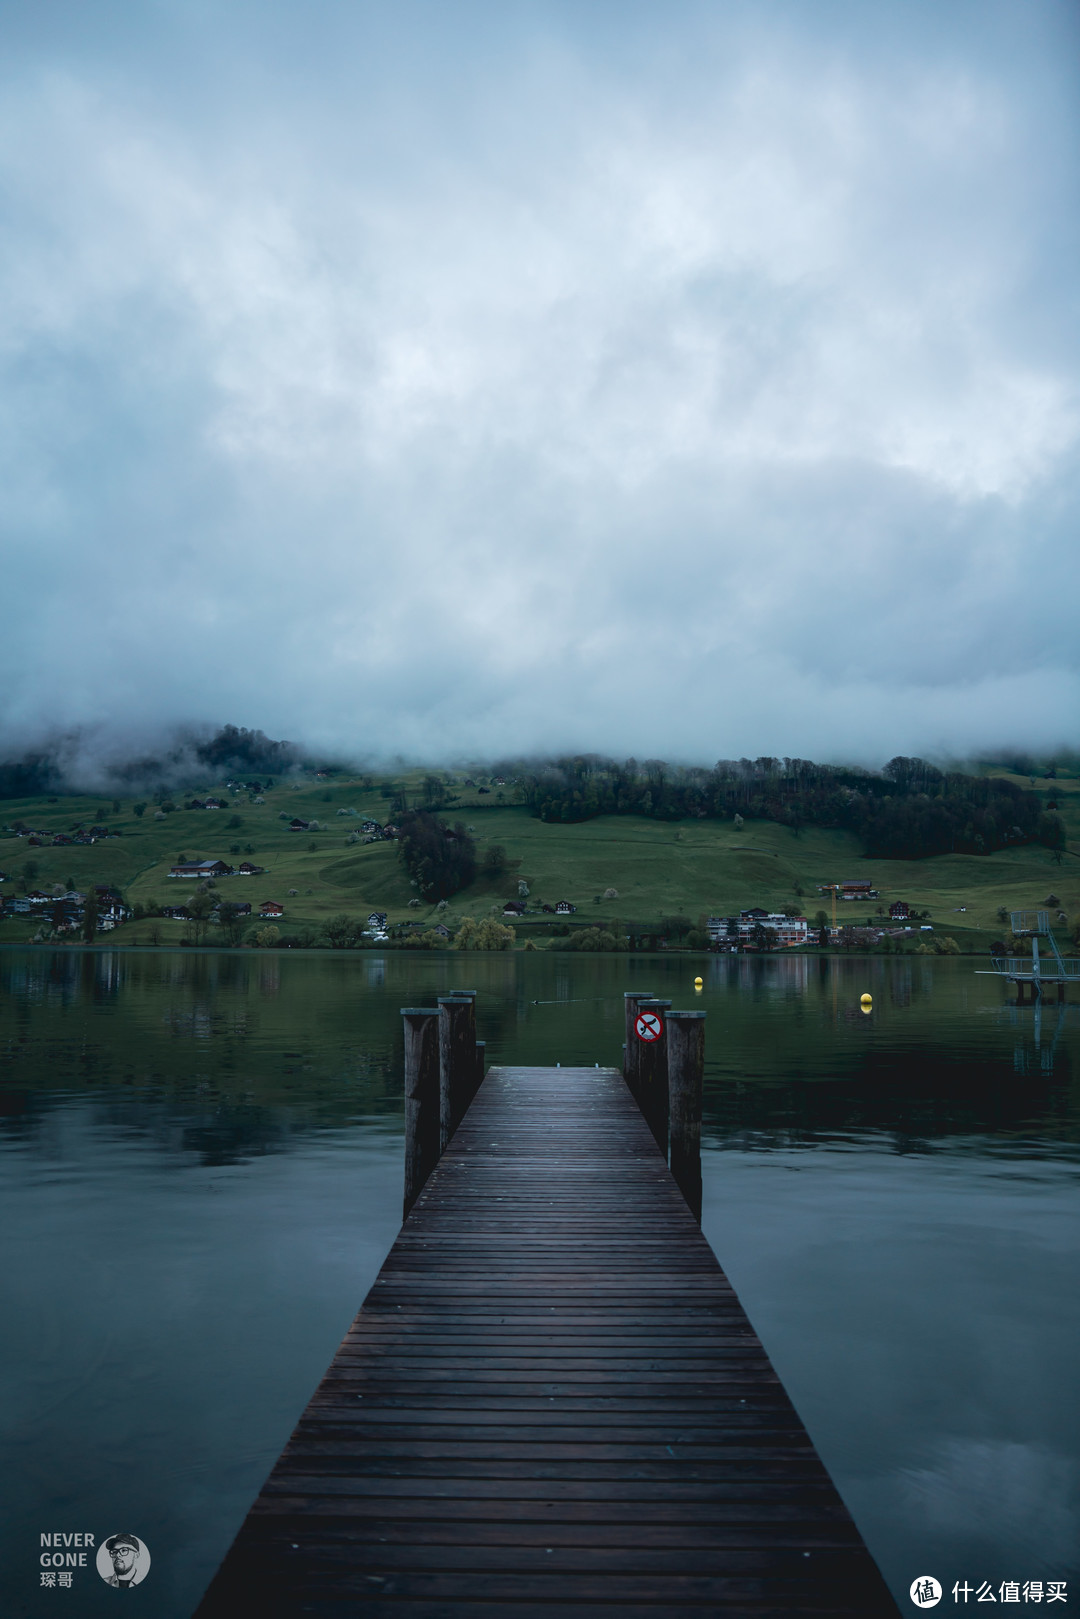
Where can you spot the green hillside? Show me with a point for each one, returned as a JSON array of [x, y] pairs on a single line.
[[660, 869]]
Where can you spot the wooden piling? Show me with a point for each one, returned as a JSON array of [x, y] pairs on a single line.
[[481, 1056], [632, 1048], [457, 1061], [686, 1075], [422, 1146], [652, 1094]]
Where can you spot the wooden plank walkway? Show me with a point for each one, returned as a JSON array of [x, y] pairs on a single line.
[[551, 1398]]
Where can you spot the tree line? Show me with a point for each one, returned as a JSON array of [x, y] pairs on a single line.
[[909, 810]]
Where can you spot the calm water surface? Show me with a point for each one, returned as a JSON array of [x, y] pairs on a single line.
[[200, 1173]]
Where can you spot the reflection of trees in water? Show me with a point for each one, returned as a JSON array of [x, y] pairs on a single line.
[[916, 1096], [207, 1035], [825, 1068], [250, 1049]]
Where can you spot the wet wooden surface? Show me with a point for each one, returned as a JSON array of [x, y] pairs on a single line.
[[551, 1399]]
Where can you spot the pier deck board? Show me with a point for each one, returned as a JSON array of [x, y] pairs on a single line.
[[551, 1398]]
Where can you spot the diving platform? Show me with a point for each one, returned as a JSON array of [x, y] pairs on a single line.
[[1039, 971]]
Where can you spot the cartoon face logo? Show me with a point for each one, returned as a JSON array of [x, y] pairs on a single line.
[[123, 1561]]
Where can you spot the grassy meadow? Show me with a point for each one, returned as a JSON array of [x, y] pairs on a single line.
[[660, 869]]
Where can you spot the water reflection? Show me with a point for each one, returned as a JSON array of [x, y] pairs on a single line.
[[894, 1195]]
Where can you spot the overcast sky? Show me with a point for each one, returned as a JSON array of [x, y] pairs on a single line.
[[450, 379]]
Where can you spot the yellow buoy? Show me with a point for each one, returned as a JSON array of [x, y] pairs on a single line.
[[698, 982], [866, 1001]]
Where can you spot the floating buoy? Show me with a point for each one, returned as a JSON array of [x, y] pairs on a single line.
[[698, 982], [866, 1001]]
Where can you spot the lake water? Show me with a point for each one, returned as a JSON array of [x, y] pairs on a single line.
[[200, 1173]]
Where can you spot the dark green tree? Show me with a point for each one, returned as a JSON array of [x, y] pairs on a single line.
[[441, 860], [90, 914], [233, 923], [200, 908], [342, 932]]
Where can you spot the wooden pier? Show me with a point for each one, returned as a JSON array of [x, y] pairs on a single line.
[[550, 1399]]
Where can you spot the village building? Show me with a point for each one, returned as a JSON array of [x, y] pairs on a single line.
[[200, 869], [270, 907], [247, 869], [514, 907], [377, 919], [899, 910], [738, 932], [111, 907], [564, 908]]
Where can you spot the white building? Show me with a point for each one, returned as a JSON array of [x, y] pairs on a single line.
[[738, 930]]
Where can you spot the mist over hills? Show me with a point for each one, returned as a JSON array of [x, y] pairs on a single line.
[[908, 808], [89, 760], [96, 759]]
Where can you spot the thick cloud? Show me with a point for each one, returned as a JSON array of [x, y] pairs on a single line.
[[693, 380]]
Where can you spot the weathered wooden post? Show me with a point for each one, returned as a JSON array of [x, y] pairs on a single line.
[[481, 1057], [476, 1072], [457, 1061], [421, 1098], [652, 1093], [686, 1076], [632, 1048]]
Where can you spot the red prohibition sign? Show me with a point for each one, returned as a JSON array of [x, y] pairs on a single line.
[[648, 1026]]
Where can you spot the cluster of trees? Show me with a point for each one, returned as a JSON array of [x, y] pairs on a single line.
[[236, 749], [908, 810], [30, 776], [440, 860], [485, 935], [345, 933], [589, 939]]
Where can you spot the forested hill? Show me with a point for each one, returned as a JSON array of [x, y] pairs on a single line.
[[908, 810]]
